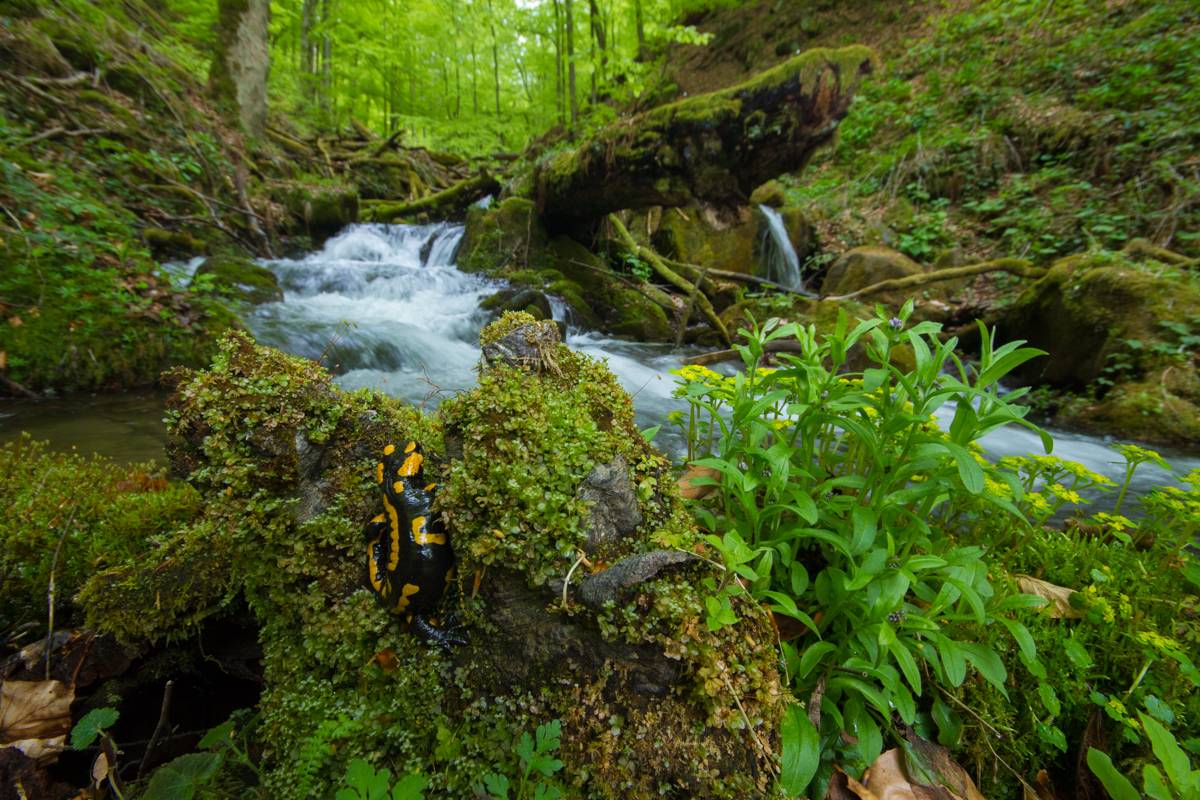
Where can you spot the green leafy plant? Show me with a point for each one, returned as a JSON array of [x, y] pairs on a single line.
[[363, 782], [1182, 782], [536, 764], [837, 504]]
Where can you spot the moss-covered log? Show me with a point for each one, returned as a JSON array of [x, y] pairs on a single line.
[[716, 147], [442, 205]]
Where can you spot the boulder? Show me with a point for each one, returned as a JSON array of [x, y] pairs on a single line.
[[1088, 308], [240, 278], [769, 194], [864, 266], [323, 208]]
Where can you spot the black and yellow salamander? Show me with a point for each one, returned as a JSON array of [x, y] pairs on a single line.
[[409, 561]]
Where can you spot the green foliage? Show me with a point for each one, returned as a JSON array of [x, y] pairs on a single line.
[[536, 763], [362, 782], [69, 516], [838, 494], [1181, 783], [91, 725], [181, 778]]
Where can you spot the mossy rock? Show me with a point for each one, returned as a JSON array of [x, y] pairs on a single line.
[[172, 244], [769, 194], [1089, 306], [322, 208], [284, 464], [1165, 409], [506, 236], [707, 237], [241, 279], [864, 266]]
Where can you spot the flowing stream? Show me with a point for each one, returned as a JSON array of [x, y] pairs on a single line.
[[384, 307]]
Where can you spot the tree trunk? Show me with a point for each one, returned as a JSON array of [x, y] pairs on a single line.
[[571, 63], [238, 76], [559, 93], [715, 148], [326, 62], [641, 28]]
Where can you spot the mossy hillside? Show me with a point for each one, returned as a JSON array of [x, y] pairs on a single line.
[[86, 306], [284, 464], [240, 279], [1012, 128]]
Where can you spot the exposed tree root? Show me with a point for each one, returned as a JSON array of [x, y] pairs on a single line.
[[1014, 266]]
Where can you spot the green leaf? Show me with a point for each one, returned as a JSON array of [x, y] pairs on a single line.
[[1077, 654], [953, 660], [801, 751], [218, 735], [907, 664], [984, 659], [410, 787], [812, 656], [948, 722], [181, 778], [91, 724], [1168, 751], [1049, 699], [1154, 785], [1116, 784], [649, 433], [864, 526]]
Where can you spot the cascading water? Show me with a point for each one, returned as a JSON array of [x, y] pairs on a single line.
[[384, 307], [781, 263]]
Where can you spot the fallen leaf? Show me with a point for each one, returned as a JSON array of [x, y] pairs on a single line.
[[100, 769], [1058, 597], [35, 717], [15, 321], [690, 491], [936, 761], [887, 779]]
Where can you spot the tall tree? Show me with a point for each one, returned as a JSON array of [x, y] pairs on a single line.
[[241, 62], [571, 63]]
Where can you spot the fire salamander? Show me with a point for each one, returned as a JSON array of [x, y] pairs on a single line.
[[409, 564]]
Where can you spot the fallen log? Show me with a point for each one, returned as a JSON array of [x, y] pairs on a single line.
[[1013, 266], [446, 203], [714, 148]]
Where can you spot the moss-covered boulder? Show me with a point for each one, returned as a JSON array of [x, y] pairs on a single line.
[[707, 237], [240, 278], [769, 194], [1163, 408], [320, 207], [864, 266], [652, 703], [510, 241], [1089, 308]]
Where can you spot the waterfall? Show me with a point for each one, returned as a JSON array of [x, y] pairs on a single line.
[[780, 262]]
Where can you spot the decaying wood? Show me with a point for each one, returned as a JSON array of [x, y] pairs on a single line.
[[714, 148], [1013, 266], [1143, 248], [444, 203], [718, 356], [666, 273]]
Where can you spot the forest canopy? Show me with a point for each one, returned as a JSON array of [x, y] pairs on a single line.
[[471, 75]]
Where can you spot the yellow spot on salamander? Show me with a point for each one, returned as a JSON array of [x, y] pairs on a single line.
[[411, 465], [379, 473], [398, 487], [410, 447], [377, 518], [391, 448], [394, 552], [394, 519], [422, 536], [430, 487], [405, 592]]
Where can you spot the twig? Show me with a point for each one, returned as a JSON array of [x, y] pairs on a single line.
[[61, 131], [1015, 266], [750, 727], [567, 581], [159, 729], [50, 590], [728, 355]]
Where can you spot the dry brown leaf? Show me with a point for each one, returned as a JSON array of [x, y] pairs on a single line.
[[100, 769], [888, 780], [691, 492], [1057, 597], [3, 359], [949, 772], [15, 321], [35, 717]]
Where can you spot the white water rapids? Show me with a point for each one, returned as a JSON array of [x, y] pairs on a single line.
[[385, 308]]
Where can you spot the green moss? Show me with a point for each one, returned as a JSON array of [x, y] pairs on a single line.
[[86, 513], [507, 236], [240, 278]]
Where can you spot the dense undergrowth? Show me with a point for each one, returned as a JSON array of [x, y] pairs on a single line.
[[1020, 129]]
